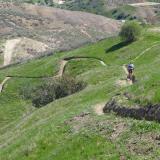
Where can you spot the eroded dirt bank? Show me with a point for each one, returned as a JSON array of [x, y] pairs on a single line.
[[149, 112]]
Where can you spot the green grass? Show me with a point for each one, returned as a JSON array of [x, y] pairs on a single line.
[[54, 131]]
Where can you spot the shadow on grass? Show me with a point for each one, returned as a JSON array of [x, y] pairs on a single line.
[[117, 46]]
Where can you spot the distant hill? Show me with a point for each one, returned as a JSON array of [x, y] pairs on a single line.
[[57, 29], [117, 9]]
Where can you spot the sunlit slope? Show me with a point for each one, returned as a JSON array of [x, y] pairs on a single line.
[[69, 128]]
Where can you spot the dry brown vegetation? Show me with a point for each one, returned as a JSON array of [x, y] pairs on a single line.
[[58, 29]]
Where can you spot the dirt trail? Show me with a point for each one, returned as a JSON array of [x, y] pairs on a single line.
[[60, 73], [64, 62], [155, 29], [155, 44], [61, 69], [144, 4], [99, 108], [3, 83], [83, 31], [9, 47], [102, 63], [124, 82]]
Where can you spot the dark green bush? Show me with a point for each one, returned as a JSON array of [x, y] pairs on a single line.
[[130, 31], [51, 90]]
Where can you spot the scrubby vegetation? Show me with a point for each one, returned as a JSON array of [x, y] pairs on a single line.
[[123, 13], [50, 90], [119, 10], [130, 31]]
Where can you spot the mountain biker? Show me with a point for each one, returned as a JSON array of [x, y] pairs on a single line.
[[130, 69]]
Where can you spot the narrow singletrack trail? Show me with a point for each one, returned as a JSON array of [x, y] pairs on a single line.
[[155, 44], [129, 82], [124, 82], [63, 63], [60, 73]]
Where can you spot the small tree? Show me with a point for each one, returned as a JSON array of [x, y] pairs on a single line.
[[130, 31]]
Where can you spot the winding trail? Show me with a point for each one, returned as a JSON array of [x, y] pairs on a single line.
[[126, 82], [63, 63], [98, 109], [155, 44], [60, 73]]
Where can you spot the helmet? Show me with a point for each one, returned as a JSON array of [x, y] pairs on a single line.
[[130, 66]]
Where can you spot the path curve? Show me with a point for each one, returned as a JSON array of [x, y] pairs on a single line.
[[126, 82], [64, 62], [60, 73], [3, 83], [155, 44], [99, 107]]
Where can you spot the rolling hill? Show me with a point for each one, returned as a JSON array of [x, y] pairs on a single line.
[[117, 9], [75, 127], [48, 29]]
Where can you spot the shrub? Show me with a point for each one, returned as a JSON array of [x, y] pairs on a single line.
[[130, 31], [51, 90]]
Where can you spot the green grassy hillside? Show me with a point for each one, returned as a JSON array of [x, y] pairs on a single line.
[[69, 128]]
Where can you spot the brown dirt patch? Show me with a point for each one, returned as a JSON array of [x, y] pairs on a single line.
[[119, 128], [124, 83], [79, 121], [143, 144], [54, 27], [99, 108], [155, 29], [22, 48]]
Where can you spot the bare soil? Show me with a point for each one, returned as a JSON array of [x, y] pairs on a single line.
[[144, 4], [22, 48], [99, 108], [56, 28], [9, 48]]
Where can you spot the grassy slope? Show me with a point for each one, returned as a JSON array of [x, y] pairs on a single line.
[[47, 133]]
